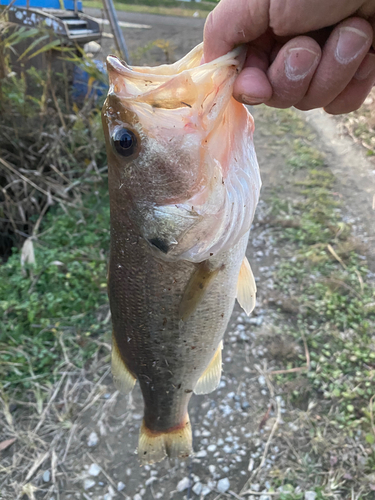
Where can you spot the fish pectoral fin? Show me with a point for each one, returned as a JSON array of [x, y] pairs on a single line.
[[210, 379], [174, 443], [246, 287], [196, 289], [124, 380]]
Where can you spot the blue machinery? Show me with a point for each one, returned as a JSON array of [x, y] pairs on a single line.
[[66, 19]]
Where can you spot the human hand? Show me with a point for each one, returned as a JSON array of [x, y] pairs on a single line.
[[303, 53]]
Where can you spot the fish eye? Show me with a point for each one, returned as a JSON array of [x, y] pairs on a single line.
[[125, 142]]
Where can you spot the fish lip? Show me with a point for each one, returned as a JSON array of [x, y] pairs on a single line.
[[117, 65], [236, 57]]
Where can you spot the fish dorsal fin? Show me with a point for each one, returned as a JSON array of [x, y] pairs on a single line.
[[246, 287], [210, 378], [124, 381], [196, 288]]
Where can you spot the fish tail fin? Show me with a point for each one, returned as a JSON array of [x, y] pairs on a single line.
[[173, 443]]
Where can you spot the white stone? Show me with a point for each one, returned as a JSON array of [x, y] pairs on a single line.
[[205, 491], [94, 470], [212, 469], [262, 380], [310, 495], [201, 454], [212, 447], [150, 480], [183, 484], [88, 483], [197, 488], [137, 497], [92, 47], [46, 476], [223, 485], [93, 439], [120, 486]]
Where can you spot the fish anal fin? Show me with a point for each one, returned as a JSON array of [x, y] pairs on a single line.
[[124, 380], [196, 288], [173, 443], [246, 287], [210, 379]]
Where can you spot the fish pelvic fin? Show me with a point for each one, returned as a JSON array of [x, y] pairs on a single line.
[[122, 378], [173, 443], [210, 379], [196, 289], [246, 287]]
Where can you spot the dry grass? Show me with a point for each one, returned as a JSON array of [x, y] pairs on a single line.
[[360, 125], [48, 430]]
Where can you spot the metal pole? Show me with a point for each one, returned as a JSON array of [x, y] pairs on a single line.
[[75, 7], [116, 30]]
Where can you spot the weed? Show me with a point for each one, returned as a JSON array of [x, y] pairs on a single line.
[[61, 303]]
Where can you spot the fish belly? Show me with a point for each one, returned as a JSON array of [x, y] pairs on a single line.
[[165, 353]]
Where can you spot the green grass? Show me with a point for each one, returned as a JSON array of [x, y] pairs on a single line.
[[52, 313], [330, 275], [324, 295], [323, 267], [150, 9]]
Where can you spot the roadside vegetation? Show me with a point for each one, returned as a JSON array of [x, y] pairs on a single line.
[[163, 8], [360, 125], [324, 302]]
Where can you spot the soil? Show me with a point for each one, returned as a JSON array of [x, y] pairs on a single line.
[[228, 439]]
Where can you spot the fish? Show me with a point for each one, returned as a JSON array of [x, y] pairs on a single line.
[[183, 183]]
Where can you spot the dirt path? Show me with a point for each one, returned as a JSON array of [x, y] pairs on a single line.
[[182, 33], [256, 432]]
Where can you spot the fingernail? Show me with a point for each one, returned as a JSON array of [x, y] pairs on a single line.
[[350, 44], [252, 100], [366, 67], [299, 63]]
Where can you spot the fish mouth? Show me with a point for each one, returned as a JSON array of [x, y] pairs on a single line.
[[171, 86]]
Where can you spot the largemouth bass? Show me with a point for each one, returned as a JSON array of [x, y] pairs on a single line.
[[184, 184]]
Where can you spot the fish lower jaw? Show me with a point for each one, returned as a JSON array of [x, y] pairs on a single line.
[[175, 442]]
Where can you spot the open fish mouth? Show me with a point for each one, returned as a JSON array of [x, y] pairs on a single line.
[[200, 175]]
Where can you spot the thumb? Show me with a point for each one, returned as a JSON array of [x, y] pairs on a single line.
[[233, 22]]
